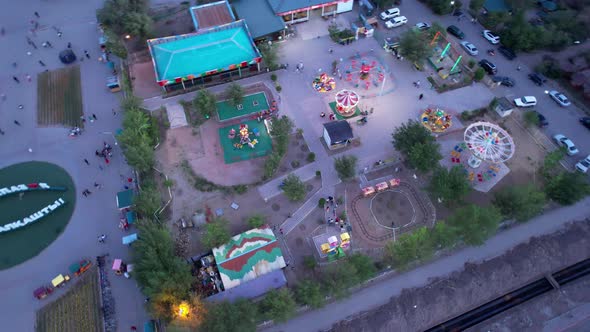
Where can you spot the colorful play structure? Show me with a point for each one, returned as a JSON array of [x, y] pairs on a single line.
[[334, 248], [436, 120], [362, 73], [243, 136], [346, 102], [441, 60], [324, 83]]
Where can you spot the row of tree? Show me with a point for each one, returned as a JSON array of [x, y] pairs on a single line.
[[280, 129]]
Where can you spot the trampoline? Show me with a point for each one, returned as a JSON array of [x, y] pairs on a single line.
[[253, 103], [204, 52]]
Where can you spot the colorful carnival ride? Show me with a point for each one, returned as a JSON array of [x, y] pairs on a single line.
[[488, 142], [346, 102], [334, 249], [324, 83], [364, 73], [243, 136], [436, 120]]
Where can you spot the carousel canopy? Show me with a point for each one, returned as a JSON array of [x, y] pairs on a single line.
[[204, 52], [347, 98]]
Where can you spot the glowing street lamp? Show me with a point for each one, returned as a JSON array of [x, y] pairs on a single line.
[[183, 310], [127, 36]]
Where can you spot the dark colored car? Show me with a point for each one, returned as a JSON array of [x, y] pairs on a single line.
[[458, 13], [67, 56], [585, 122], [455, 31], [503, 80], [542, 120], [537, 78], [508, 53], [489, 67]]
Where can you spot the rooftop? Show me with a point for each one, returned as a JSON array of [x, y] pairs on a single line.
[[211, 14], [338, 131], [261, 19], [285, 6], [253, 288], [197, 54]]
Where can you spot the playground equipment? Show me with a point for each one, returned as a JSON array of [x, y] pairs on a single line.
[[334, 248], [488, 142], [362, 72], [346, 102], [436, 120], [324, 83], [243, 135], [443, 61]]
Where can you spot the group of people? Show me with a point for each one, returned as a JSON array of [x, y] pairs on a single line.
[[106, 152]]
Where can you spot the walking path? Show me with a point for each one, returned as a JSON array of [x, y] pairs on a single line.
[[379, 293]]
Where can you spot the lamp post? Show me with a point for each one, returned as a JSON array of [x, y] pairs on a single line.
[[453, 5]]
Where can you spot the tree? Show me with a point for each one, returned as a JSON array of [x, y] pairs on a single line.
[[216, 234], [414, 46], [409, 134], [256, 221], [479, 74], [474, 224], [138, 24], [126, 17], [148, 201], [476, 5], [162, 306], [521, 35], [294, 188], [137, 139], [551, 162], [225, 316], [442, 236], [567, 188], [196, 314], [520, 202], [409, 247], [346, 167], [309, 293], [449, 185], [531, 119], [205, 103], [270, 55], [114, 44], [364, 266], [235, 94], [271, 165], [281, 127], [424, 156], [278, 305]]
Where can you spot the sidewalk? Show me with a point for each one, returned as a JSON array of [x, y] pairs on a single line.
[[379, 293]]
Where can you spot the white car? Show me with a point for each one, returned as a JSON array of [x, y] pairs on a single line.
[[422, 26], [396, 22], [390, 13], [493, 39], [567, 143], [583, 165], [470, 48], [559, 98], [526, 101]]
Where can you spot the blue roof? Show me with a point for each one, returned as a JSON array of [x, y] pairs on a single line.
[[259, 16], [283, 6], [253, 288]]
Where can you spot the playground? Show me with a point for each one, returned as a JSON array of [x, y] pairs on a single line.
[[246, 140], [447, 64], [36, 227], [251, 105]]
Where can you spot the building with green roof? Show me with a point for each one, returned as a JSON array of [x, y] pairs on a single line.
[[262, 20]]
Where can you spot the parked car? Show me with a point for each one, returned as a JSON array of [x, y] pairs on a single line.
[[537, 78], [458, 13], [559, 98], [542, 120], [561, 140], [583, 165], [493, 39], [422, 26], [488, 66], [508, 53], [455, 31], [503, 80], [526, 101], [390, 13], [585, 121], [470, 48], [396, 22]]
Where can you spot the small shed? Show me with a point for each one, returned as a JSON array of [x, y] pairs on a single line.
[[337, 134], [504, 107], [125, 199]]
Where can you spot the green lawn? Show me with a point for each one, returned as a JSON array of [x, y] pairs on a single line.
[[59, 97], [232, 154], [251, 104], [16, 246]]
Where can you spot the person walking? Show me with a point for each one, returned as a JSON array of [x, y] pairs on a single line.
[[42, 63], [1, 132], [17, 123], [29, 78], [86, 161], [37, 15], [69, 45], [16, 79], [421, 96], [86, 54], [94, 116], [49, 44]]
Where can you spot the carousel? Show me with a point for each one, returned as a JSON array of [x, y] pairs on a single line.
[[324, 83], [436, 120], [346, 102]]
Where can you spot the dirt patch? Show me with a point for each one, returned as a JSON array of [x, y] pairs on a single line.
[[420, 308]]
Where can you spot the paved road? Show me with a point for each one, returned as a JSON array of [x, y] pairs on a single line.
[[379, 293], [92, 216]]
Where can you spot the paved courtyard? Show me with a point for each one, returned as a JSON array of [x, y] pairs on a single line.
[[92, 216]]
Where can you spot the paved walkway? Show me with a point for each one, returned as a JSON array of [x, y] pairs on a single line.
[[379, 293]]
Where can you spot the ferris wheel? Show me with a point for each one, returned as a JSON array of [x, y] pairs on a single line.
[[488, 142]]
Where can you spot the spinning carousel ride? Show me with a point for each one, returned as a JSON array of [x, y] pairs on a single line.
[[346, 102], [365, 73], [488, 142], [324, 83], [436, 120]]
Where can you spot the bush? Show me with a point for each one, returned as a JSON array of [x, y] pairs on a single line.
[[294, 188], [216, 234], [273, 77], [474, 224], [479, 74], [520, 202], [363, 265], [278, 305], [567, 188], [318, 174], [409, 247], [322, 202], [309, 262], [311, 157], [471, 63], [346, 167], [449, 185], [309, 293], [279, 88]]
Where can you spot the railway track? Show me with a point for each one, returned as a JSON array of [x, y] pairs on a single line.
[[514, 298], [426, 208]]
